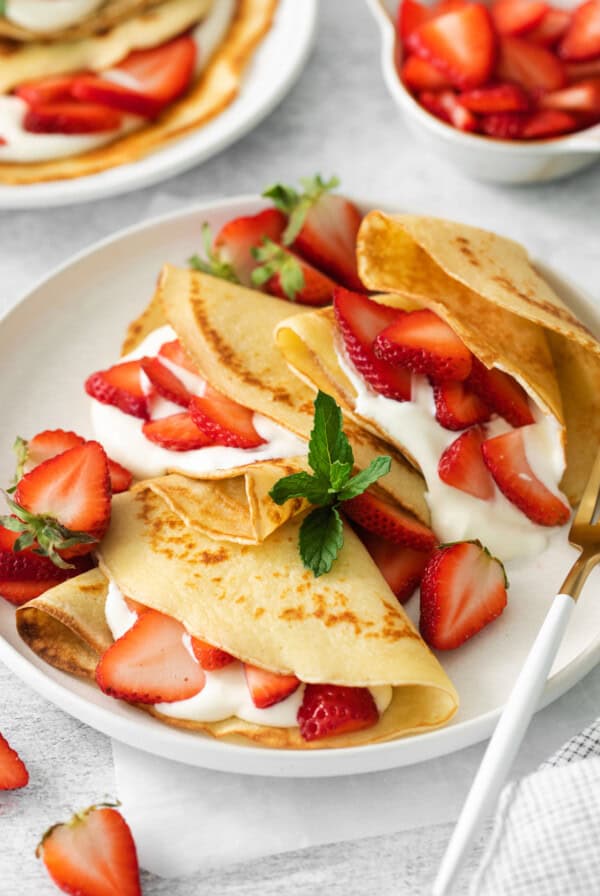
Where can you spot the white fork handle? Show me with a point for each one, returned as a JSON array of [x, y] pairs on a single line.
[[506, 739]]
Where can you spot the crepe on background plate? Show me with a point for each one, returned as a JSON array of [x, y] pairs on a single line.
[[259, 604], [106, 16]]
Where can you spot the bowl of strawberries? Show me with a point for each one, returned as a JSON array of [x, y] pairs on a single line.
[[506, 90]]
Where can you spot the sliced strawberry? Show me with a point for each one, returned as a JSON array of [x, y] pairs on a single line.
[[135, 606], [165, 382], [322, 227], [49, 443], [423, 342], [533, 67], [461, 44], [506, 460], [53, 89], [267, 688], [121, 386], [24, 574], [150, 663], [582, 40], [548, 123], [577, 71], [418, 74], [553, 26], [93, 854], [230, 255], [70, 118], [120, 477], [461, 465], [282, 273], [329, 709], [209, 657], [411, 15], [463, 590], [582, 97], [379, 516], [504, 125], [401, 567], [457, 406], [502, 393], [517, 16], [446, 105], [497, 98], [178, 432], [13, 773], [224, 421], [175, 353], [21, 592], [360, 320]]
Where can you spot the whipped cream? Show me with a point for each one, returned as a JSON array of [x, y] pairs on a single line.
[[456, 515], [23, 146], [225, 692], [47, 16], [124, 441]]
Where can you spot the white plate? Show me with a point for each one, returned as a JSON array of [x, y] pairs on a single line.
[[72, 324], [273, 70]]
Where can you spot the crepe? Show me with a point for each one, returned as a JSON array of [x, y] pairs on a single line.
[[216, 88], [109, 14], [261, 605]]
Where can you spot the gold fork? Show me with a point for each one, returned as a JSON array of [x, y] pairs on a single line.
[[525, 695]]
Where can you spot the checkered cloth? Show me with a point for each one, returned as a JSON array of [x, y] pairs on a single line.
[[546, 836]]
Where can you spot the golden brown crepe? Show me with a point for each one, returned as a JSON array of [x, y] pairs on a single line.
[[109, 14], [261, 605], [216, 88]]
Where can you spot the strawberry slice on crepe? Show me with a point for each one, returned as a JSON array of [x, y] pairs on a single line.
[[457, 406], [165, 382], [389, 521], [329, 709], [401, 567], [225, 422], [70, 117], [175, 353], [502, 393], [268, 688], [462, 466], [177, 432], [424, 343], [13, 772], [209, 657], [121, 386]]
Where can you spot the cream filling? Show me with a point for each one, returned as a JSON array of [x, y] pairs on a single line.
[[47, 16]]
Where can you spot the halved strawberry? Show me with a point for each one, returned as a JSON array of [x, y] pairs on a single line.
[[322, 227], [329, 709], [52, 89], [230, 254], [418, 74], [121, 386], [547, 123], [532, 66], [178, 432], [70, 118], [120, 477], [496, 98], [582, 40], [506, 460], [173, 351], [423, 342], [209, 657], [401, 567], [165, 382], [582, 97], [93, 854], [411, 15], [13, 773], [463, 589], [553, 26], [502, 393], [25, 575], [282, 273], [47, 444], [461, 465], [360, 320], [576, 71], [461, 44], [267, 688], [389, 521], [150, 663], [517, 16], [457, 406], [224, 421]]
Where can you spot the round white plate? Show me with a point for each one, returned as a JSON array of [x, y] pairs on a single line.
[[72, 324], [273, 70]]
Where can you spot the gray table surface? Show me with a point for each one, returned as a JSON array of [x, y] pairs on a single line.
[[338, 118]]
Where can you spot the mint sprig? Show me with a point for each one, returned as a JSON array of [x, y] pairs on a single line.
[[297, 205], [331, 483]]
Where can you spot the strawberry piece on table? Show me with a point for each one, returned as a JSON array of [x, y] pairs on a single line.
[[52, 89], [502, 393], [329, 709], [461, 465], [70, 118], [230, 254], [13, 773], [377, 515], [175, 353], [423, 342], [506, 459], [582, 97], [533, 67], [150, 663], [461, 44], [463, 589], [282, 273], [418, 74], [582, 40], [178, 432], [401, 567], [224, 421], [411, 15], [267, 688], [165, 382], [553, 26], [93, 854], [548, 123], [120, 477], [209, 657], [322, 227], [517, 16], [360, 320], [457, 406], [121, 386], [497, 98]]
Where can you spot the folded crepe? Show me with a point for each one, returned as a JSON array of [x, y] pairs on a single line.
[[486, 289], [100, 20], [259, 604], [217, 86]]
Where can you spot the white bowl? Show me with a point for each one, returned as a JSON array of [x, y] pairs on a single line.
[[482, 158]]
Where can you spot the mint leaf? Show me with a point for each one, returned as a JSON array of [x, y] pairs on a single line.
[[361, 482], [321, 539], [301, 485], [328, 441], [340, 473]]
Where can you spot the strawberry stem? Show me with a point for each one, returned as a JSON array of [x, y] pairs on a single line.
[[297, 205], [277, 261], [50, 535], [214, 263]]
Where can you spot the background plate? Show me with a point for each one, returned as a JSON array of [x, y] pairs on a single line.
[[71, 324], [273, 70]]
